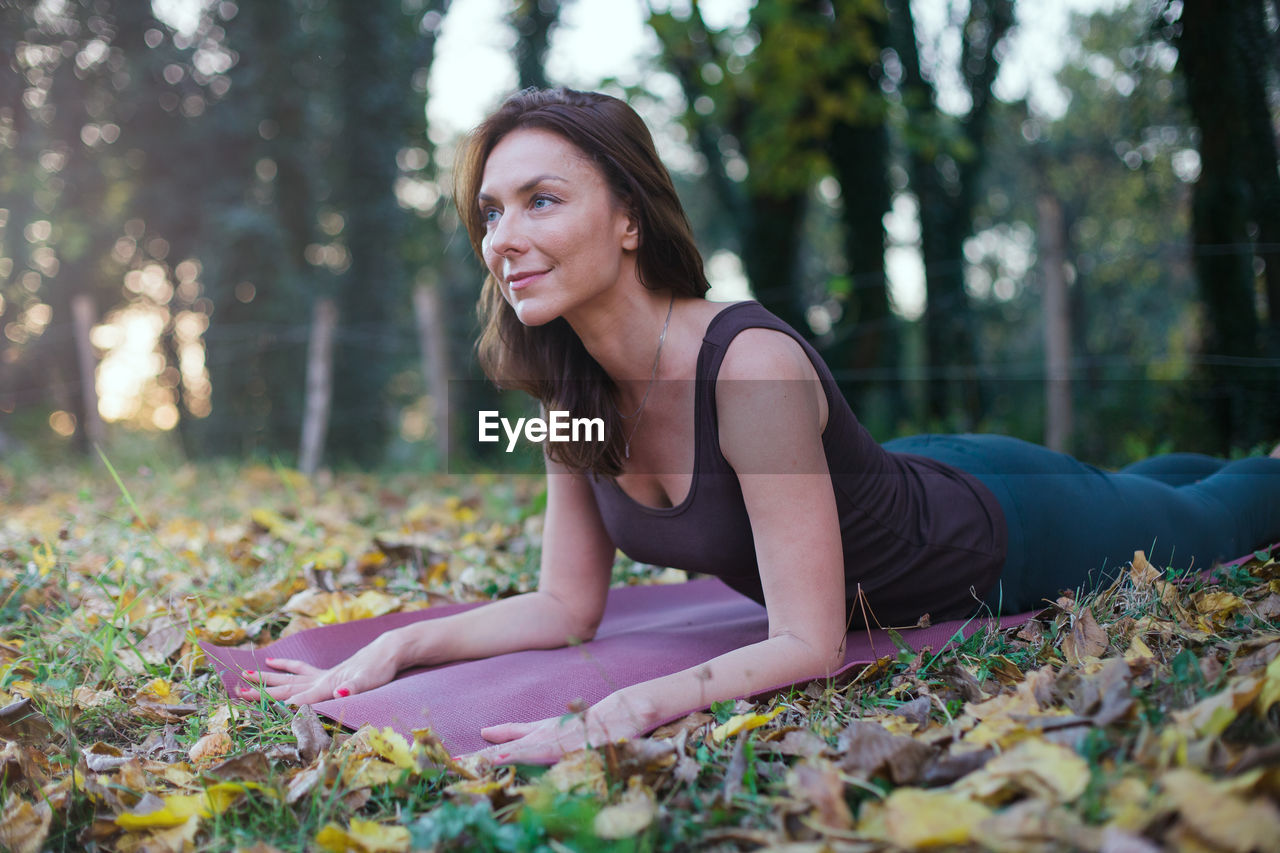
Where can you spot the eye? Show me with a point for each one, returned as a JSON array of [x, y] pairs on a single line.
[[542, 202], [490, 215]]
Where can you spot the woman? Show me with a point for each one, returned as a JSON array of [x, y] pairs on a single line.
[[756, 471]]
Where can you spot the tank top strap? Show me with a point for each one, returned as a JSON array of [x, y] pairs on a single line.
[[724, 327]]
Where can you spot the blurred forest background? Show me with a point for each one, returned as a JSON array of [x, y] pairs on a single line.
[[237, 237]]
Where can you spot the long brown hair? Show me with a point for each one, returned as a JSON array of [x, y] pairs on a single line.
[[549, 361]]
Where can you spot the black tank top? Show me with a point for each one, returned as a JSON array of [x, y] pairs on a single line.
[[918, 536]]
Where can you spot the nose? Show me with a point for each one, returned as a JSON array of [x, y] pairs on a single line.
[[506, 236]]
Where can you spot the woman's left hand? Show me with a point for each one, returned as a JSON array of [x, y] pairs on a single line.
[[608, 721]]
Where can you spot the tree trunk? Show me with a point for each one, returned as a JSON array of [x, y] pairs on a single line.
[[1057, 323], [866, 337], [82, 317], [1223, 256], [433, 349], [315, 422]]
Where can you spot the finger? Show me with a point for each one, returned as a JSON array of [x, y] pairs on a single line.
[[504, 732], [271, 679], [297, 667]]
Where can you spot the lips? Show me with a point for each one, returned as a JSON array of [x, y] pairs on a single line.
[[521, 280]]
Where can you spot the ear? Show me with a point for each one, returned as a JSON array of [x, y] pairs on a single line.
[[631, 233]]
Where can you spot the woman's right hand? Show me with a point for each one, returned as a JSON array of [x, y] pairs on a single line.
[[296, 682]]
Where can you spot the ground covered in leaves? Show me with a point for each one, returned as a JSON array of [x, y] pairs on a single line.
[[1142, 718]]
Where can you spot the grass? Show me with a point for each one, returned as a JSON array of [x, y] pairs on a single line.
[[93, 563]]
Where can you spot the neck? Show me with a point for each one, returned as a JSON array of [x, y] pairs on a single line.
[[623, 336]]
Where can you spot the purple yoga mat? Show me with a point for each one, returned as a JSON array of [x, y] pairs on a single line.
[[646, 632]]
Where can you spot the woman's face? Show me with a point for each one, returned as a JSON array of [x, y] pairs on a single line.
[[555, 237]]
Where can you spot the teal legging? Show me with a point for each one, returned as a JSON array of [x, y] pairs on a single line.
[[1074, 526]]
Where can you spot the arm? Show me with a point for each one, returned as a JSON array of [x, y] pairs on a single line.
[[771, 432], [576, 558]]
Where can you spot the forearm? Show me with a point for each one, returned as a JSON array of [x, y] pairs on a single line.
[[534, 620], [779, 660]]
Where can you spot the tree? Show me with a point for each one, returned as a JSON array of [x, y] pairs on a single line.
[[1226, 56], [946, 156]]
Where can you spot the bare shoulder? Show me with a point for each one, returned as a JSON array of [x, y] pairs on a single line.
[[765, 354]]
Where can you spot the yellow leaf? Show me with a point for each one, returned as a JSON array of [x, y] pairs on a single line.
[[222, 629], [742, 723], [273, 522], [44, 558], [632, 815], [175, 809], [392, 746], [1037, 767], [1210, 717], [363, 836], [1138, 650], [160, 689], [330, 558], [1217, 814], [1270, 693], [372, 603], [917, 818]]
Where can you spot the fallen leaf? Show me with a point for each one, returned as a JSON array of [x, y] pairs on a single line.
[[307, 728], [631, 815], [1221, 817], [816, 783], [742, 723], [21, 721], [915, 818], [24, 826], [153, 812], [867, 750], [1036, 767], [211, 746], [363, 836], [1086, 639], [581, 771]]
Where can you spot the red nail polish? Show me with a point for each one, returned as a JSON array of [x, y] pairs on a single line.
[[503, 756], [342, 691], [250, 672]]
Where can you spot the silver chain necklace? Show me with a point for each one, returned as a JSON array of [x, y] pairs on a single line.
[[662, 339]]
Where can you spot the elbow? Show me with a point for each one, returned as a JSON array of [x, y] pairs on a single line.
[[821, 656]]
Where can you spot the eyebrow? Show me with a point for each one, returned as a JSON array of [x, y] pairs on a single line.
[[526, 187]]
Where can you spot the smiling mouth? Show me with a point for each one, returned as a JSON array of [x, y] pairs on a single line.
[[524, 279]]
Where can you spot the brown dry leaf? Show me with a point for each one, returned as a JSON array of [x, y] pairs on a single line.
[[211, 747], [1220, 816], [248, 767], [1086, 639], [632, 814], [817, 784], [1142, 573], [24, 826], [22, 721], [867, 750], [1102, 692], [1034, 825], [799, 742], [1036, 767], [913, 818], [307, 728], [734, 771]]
